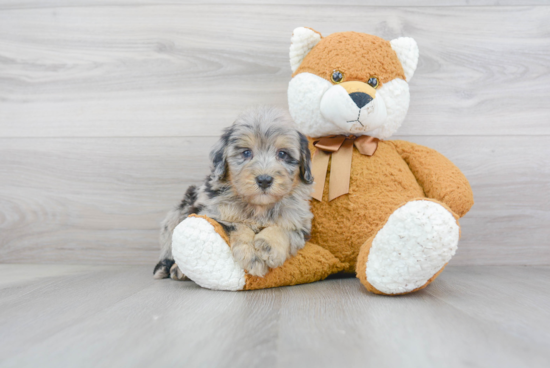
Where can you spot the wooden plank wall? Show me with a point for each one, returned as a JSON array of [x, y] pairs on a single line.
[[108, 110]]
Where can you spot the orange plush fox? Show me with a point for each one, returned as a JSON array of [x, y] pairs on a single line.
[[387, 210]]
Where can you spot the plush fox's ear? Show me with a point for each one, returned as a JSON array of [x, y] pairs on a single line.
[[302, 41], [407, 53]]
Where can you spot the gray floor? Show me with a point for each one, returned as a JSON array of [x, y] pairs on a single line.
[[118, 316]]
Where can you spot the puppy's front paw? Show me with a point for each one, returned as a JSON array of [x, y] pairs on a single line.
[[272, 246], [245, 255]]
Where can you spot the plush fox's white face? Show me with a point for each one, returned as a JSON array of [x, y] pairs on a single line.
[[349, 83]]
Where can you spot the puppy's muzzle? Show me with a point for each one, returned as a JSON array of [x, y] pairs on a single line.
[[360, 93], [264, 181]]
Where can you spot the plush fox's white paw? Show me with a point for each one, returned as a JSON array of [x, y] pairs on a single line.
[[204, 257], [416, 242]]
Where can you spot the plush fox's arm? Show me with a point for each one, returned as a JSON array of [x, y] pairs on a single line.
[[438, 176]]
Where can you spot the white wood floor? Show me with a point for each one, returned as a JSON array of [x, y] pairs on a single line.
[[118, 316]]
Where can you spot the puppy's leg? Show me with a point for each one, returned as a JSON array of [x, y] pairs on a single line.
[[166, 266], [273, 245], [298, 239], [176, 274], [244, 252]]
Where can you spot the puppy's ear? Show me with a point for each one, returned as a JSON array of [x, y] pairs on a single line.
[[305, 160], [218, 155]]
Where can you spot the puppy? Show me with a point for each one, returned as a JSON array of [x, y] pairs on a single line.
[[258, 190]]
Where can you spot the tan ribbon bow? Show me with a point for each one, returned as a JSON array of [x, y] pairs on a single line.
[[341, 149]]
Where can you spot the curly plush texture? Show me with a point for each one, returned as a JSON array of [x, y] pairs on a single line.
[[311, 263], [199, 246], [379, 184], [398, 173], [407, 52], [372, 57], [359, 57], [439, 177], [409, 249], [302, 41]]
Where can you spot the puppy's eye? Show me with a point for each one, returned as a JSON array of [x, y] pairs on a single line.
[[282, 155], [337, 76], [373, 82], [247, 153]]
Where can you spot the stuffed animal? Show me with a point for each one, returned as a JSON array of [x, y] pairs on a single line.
[[387, 210]]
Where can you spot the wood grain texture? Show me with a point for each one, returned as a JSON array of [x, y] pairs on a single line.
[[120, 317], [187, 70], [108, 110], [100, 200]]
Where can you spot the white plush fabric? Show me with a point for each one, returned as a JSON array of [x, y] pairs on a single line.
[[416, 242], [339, 108], [320, 108], [204, 257], [407, 53], [305, 92], [302, 41], [396, 97]]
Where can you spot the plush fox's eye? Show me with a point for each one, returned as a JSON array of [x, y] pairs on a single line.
[[373, 82], [337, 76]]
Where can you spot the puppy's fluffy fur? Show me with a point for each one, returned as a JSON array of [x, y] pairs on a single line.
[[258, 190]]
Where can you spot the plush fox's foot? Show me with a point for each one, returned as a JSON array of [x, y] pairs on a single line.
[[201, 250], [410, 250]]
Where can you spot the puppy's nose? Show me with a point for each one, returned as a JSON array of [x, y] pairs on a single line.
[[360, 98], [264, 181]]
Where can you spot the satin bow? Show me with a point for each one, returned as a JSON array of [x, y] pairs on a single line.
[[340, 147]]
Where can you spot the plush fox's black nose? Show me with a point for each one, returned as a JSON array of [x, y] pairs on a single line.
[[264, 181], [360, 98]]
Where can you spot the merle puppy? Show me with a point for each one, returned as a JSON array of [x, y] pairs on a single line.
[[258, 190]]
